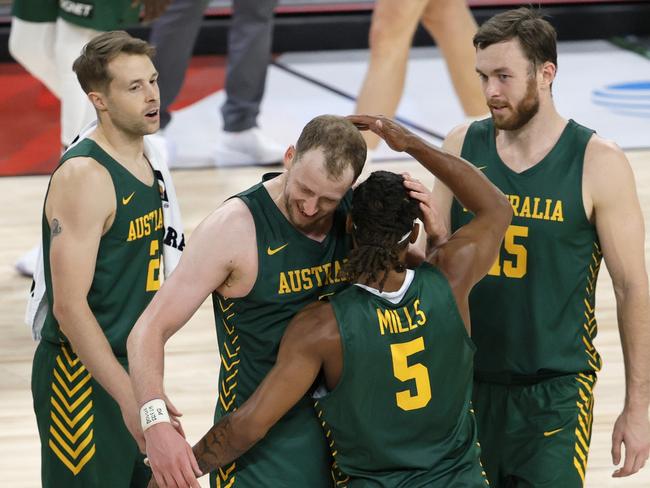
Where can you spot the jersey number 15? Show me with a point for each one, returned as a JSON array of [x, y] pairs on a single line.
[[516, 266]]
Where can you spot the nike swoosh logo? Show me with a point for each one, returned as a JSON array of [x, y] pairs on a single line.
[[271, 252], [481, 168], [125, 201], [552, 432]]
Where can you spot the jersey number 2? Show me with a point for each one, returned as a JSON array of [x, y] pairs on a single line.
[[418, 372], [153, 271]]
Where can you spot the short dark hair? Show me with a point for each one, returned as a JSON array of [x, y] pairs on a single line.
[[536, 36], [91, 66], [340, 141], [382, 213]]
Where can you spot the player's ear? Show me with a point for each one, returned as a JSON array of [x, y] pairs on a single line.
[[289, 156], [548, 71], [415, 232], [97, 99]]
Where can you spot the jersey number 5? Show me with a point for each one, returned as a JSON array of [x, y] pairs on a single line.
[[418, 372], [516, 266]]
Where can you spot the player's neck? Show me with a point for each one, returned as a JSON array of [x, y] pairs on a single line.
[[546, 120], [525, 147], [394, 281], [124, 147]]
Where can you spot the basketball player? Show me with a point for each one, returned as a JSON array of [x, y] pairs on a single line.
[[263, 256], [574, 202], [102, 242], [394, 350]]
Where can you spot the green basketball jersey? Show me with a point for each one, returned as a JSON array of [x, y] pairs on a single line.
[[293, 271], [128, 259], [400, 413], [533, 314]]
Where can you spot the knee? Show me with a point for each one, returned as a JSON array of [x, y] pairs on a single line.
[[387, 41], [443, 14]]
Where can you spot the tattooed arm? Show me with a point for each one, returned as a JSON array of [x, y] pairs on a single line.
[[80, 208], [310, 343]]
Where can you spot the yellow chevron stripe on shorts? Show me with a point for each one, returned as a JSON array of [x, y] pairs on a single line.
[[71, 433], [585, 404]]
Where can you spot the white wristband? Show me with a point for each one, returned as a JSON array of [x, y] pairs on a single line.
[[153, 412]]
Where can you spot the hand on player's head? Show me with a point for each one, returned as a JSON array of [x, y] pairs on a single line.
[[390, 131]]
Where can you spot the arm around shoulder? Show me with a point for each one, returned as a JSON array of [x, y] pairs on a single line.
[[309, 341]]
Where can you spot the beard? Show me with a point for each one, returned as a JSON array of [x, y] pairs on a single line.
[[520, 115]]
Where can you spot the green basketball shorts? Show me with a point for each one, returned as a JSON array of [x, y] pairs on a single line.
[[84, 441], [536, 435]]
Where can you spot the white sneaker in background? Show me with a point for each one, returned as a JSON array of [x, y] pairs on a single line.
[[245, 148], [26, 264]]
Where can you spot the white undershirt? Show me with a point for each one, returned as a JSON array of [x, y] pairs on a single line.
[[393, 297]]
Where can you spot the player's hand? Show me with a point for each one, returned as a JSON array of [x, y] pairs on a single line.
[[151, 9], [632, 429], [174, 414], [433, 224], [396, 136], [171, 458]]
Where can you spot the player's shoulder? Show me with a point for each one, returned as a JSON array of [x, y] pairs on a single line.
[[231, 222], [603, 157], [315, 324], [82, 181], [599, 148], [453, 143], [81, 169]]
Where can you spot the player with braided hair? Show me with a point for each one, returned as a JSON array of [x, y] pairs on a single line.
[[381, 227], [392, 350]]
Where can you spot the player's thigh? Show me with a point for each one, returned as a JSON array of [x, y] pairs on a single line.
[[551, 433], [84, 441], [489, 402]]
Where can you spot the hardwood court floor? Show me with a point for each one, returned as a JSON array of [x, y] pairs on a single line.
[[192, 362]]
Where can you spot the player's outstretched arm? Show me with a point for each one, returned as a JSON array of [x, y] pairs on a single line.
[[471, 251], [210, 258], [311, 341], [610, 188], [80, 208]]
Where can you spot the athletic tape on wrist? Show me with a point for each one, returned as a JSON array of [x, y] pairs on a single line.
[[153, 412]]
